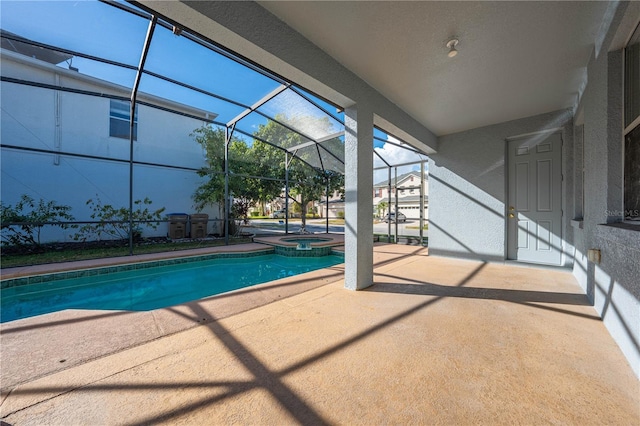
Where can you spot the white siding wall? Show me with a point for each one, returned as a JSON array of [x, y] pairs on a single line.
[[29, 120]]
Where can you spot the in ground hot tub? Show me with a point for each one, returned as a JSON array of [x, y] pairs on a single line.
[[303, 245]]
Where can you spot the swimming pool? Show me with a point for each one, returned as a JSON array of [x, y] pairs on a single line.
[[154, 288]]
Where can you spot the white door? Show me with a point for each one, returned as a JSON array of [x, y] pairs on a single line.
[[534, 212]]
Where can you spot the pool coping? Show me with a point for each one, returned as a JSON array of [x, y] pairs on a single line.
[[328, 240], [70, 334], [51, 268], [45, 344]]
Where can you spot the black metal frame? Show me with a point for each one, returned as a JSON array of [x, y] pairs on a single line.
[[156, 19]]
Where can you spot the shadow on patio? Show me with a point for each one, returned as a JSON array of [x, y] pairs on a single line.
[[434, 341]]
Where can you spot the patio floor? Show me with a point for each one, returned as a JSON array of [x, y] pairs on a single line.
[[434, 341]]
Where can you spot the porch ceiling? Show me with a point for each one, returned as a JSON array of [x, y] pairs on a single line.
[[516, 59]]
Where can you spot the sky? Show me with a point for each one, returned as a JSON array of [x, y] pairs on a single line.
[[104, 31], [399, 155]]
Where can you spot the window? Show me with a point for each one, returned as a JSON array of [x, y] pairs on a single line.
[[119, 113], [632, 128], [632, 175], [579, 176]]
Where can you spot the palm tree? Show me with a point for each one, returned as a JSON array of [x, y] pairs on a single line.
[[382, 208]]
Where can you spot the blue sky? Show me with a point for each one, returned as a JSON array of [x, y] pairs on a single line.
[[103, 31]]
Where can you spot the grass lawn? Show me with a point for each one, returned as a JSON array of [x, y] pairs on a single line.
[[416, 227], [71, 254]]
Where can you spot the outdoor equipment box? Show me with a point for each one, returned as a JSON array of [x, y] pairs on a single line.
[[199, 225], [178, 225]]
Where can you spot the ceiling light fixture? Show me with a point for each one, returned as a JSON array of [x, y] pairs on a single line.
[[451, 45]]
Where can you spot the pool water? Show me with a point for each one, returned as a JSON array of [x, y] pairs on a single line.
[[154, 288]]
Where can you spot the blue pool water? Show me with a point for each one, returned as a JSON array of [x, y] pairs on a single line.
[[153, 288]]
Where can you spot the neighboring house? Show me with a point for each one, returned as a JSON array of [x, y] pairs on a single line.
[[407, 189], [336, 207], [72, 145]]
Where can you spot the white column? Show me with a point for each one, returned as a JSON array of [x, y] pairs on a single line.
[[358, 230]]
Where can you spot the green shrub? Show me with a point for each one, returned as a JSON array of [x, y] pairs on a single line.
[[340, 214], [32, 216], [114, 222]]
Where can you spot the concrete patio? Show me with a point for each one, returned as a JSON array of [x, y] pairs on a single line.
[[434, 341]]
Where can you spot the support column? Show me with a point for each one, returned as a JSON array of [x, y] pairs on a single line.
[[358, 229]]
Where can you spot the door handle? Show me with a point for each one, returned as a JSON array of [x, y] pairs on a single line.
[[511, 215]]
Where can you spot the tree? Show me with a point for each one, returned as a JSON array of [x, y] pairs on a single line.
[[271, 164], [244, 161], [382, 208], [306, 183], [260, 158], [211, 191]]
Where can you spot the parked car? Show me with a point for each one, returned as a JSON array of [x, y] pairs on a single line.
[[391, 217], [279, 214]]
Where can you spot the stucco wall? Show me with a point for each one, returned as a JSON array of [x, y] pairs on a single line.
[[467, 186], [613, 285]]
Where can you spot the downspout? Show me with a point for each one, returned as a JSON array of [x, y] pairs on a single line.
[[132, 111]]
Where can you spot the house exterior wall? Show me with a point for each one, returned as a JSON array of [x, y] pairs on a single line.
[[408, 199], [468, 187], [613, 284], [336, 209], [42, 118]]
